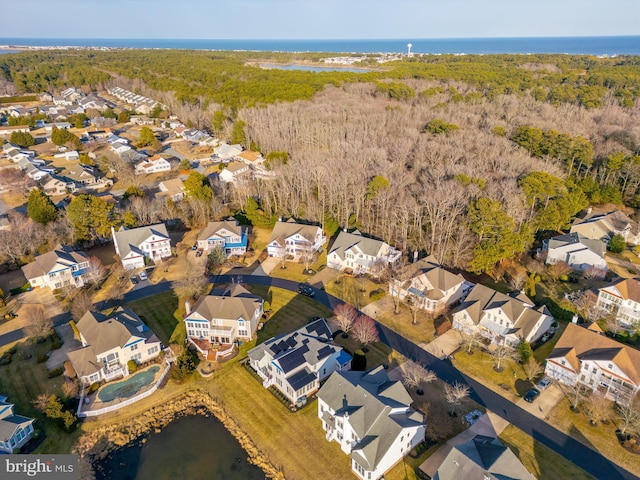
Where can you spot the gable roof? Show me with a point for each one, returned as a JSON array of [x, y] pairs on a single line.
[[229, 304], [347, 241], [482, 457], [213, 227], [366, 400], [43, 264], [609, 223], [283, 230], [430, 279], [575, 239], [10, 422], [130, 239], [629, 288], [587, 344]]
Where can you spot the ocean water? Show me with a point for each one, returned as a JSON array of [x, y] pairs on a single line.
[[624, 45]]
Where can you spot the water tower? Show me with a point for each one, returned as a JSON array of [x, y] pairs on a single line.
[[409, 49]]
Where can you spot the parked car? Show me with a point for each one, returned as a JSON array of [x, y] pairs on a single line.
[[306, 290], [142, 275], [544, 383], [531, 395], [199, 253], [134, 280]]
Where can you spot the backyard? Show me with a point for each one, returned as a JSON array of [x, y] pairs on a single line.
[[162, 314]]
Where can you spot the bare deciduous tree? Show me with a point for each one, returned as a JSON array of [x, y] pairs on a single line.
[[629, 416], [469, 340], [532, 369], [38, 325], [612, 322], [502, 354], [80, 304], [308, 254], [345, 316], [558, 269], [414, 375], [411, 301], [193, 281], [41, 401], [96, 272], [585, 304], [597, 407], [365, 330], [454, 393], [70, 389], [593, 273], [575, 394]]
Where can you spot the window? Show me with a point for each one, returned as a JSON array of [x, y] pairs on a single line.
[[134, 347]]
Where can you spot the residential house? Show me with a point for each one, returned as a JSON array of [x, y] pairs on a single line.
[[58, 268], [68, 155], [208, 141], [501, 318], [120, 148], [622, 299], [173, 189], [7, 131], [48, 127], [136, 244], [226, 152], [579, 252], [53, 185], [61, 101], [429, 286], [193, 135], [153, 164], [482, 457], [585, 355], [360, 254], [15, 430], [109, 343], [293, 240], [251, 158], [224, 316], [371, 418], [234, 172], [604, 226], [297, 362], [228, 234], [33, 172], [86, 177]]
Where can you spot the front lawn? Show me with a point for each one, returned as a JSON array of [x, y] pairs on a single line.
[[162, 314], [420, 332], [295, 270], [354, 290]]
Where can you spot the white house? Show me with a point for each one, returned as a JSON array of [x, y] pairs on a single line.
[[234, 172], [603, 226], [294, 240], [109, 342], [53, 185], [173, 189], [297, 362], [579, 252], [69, 155], [58, 268], [136, 244], [15, 430], [228, 234], [120, 148], [501, 318], [623, 299], [431, 287], [224, 316], [587, 356], [362, 255], [226, 152], [371, 418], [153, 164]]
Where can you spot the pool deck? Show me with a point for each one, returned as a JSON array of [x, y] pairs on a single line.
[[92, 405]]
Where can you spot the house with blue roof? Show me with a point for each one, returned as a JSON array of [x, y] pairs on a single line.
[[297, 362], [228, 234]]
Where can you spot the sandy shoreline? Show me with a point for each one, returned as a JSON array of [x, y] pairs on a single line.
[[98, 444]]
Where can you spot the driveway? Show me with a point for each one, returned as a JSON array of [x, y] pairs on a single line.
[[445, 344], [542, 406], [265, 268], [59, 356]]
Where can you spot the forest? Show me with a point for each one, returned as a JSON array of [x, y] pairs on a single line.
[[470, 158]]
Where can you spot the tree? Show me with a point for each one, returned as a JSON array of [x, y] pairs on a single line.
[[216, 258], [96, 271], [147, 139], [501, 354], [454, 394], [412, 302], [585, 304], [629, 416], [124, 117], [414, 375], [597, 407], [469, 340], [617, 244], [438, 126], [192, 281], [237, 132], [22, 139], [129, 220], [197, 186], [184, 365], [217, 121], [80, 305], [364, 330], [70, 389], [63, 137], [38, 325], [308, 254], [575, 394], [40, 208], [524, 351], [91, 217], [558, 270], [532, 369], [184, 164], [346, 316], [376, 184]]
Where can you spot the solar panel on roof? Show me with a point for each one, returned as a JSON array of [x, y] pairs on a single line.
[[300, 379], [292, 360], [325, 352]]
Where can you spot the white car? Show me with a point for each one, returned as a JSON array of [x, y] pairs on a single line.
[[544, 383], [142, 275]]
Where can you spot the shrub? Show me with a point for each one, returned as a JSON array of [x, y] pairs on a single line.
[[564, 277], [132, 366], [93, 387], [617, 244], [5, 359], [42, 358], [377, 294], [56, 372], [359, 362]]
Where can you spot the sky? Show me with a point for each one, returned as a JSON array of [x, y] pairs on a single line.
[[316, 19]]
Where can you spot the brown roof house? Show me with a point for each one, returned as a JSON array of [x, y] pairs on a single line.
[[501, 318], [109, 342], [15, 430], [58, 268], [585, 355], [228, 234], [603, 226], [294, 239], [430, 286], [622, 299]]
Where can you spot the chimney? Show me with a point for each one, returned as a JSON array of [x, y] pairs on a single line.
[[575, 319], [187, 307]]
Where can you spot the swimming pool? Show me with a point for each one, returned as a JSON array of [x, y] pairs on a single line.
[[129, 387]]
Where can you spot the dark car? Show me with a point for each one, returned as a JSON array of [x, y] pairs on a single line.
[[134, 280], [199, 253], [531, 395], [306, 290]]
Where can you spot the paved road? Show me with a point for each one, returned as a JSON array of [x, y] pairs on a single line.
[[586, 458]]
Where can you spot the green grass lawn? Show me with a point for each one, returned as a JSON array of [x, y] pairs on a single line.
[[420, 332], [544, 463], [349, 289], [294, 270], [162, 314], [541, 353], [378, 353], [22, 381]]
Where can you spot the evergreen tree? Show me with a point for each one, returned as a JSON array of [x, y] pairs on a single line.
[[617, 244], [40, 208], [197, 186], [22, 139], [91, 217]]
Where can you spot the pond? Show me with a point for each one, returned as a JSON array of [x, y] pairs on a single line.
[[129, 387], [315, 68], [193, 447]]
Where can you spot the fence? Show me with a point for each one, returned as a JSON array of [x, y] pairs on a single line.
[[111, 408]]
